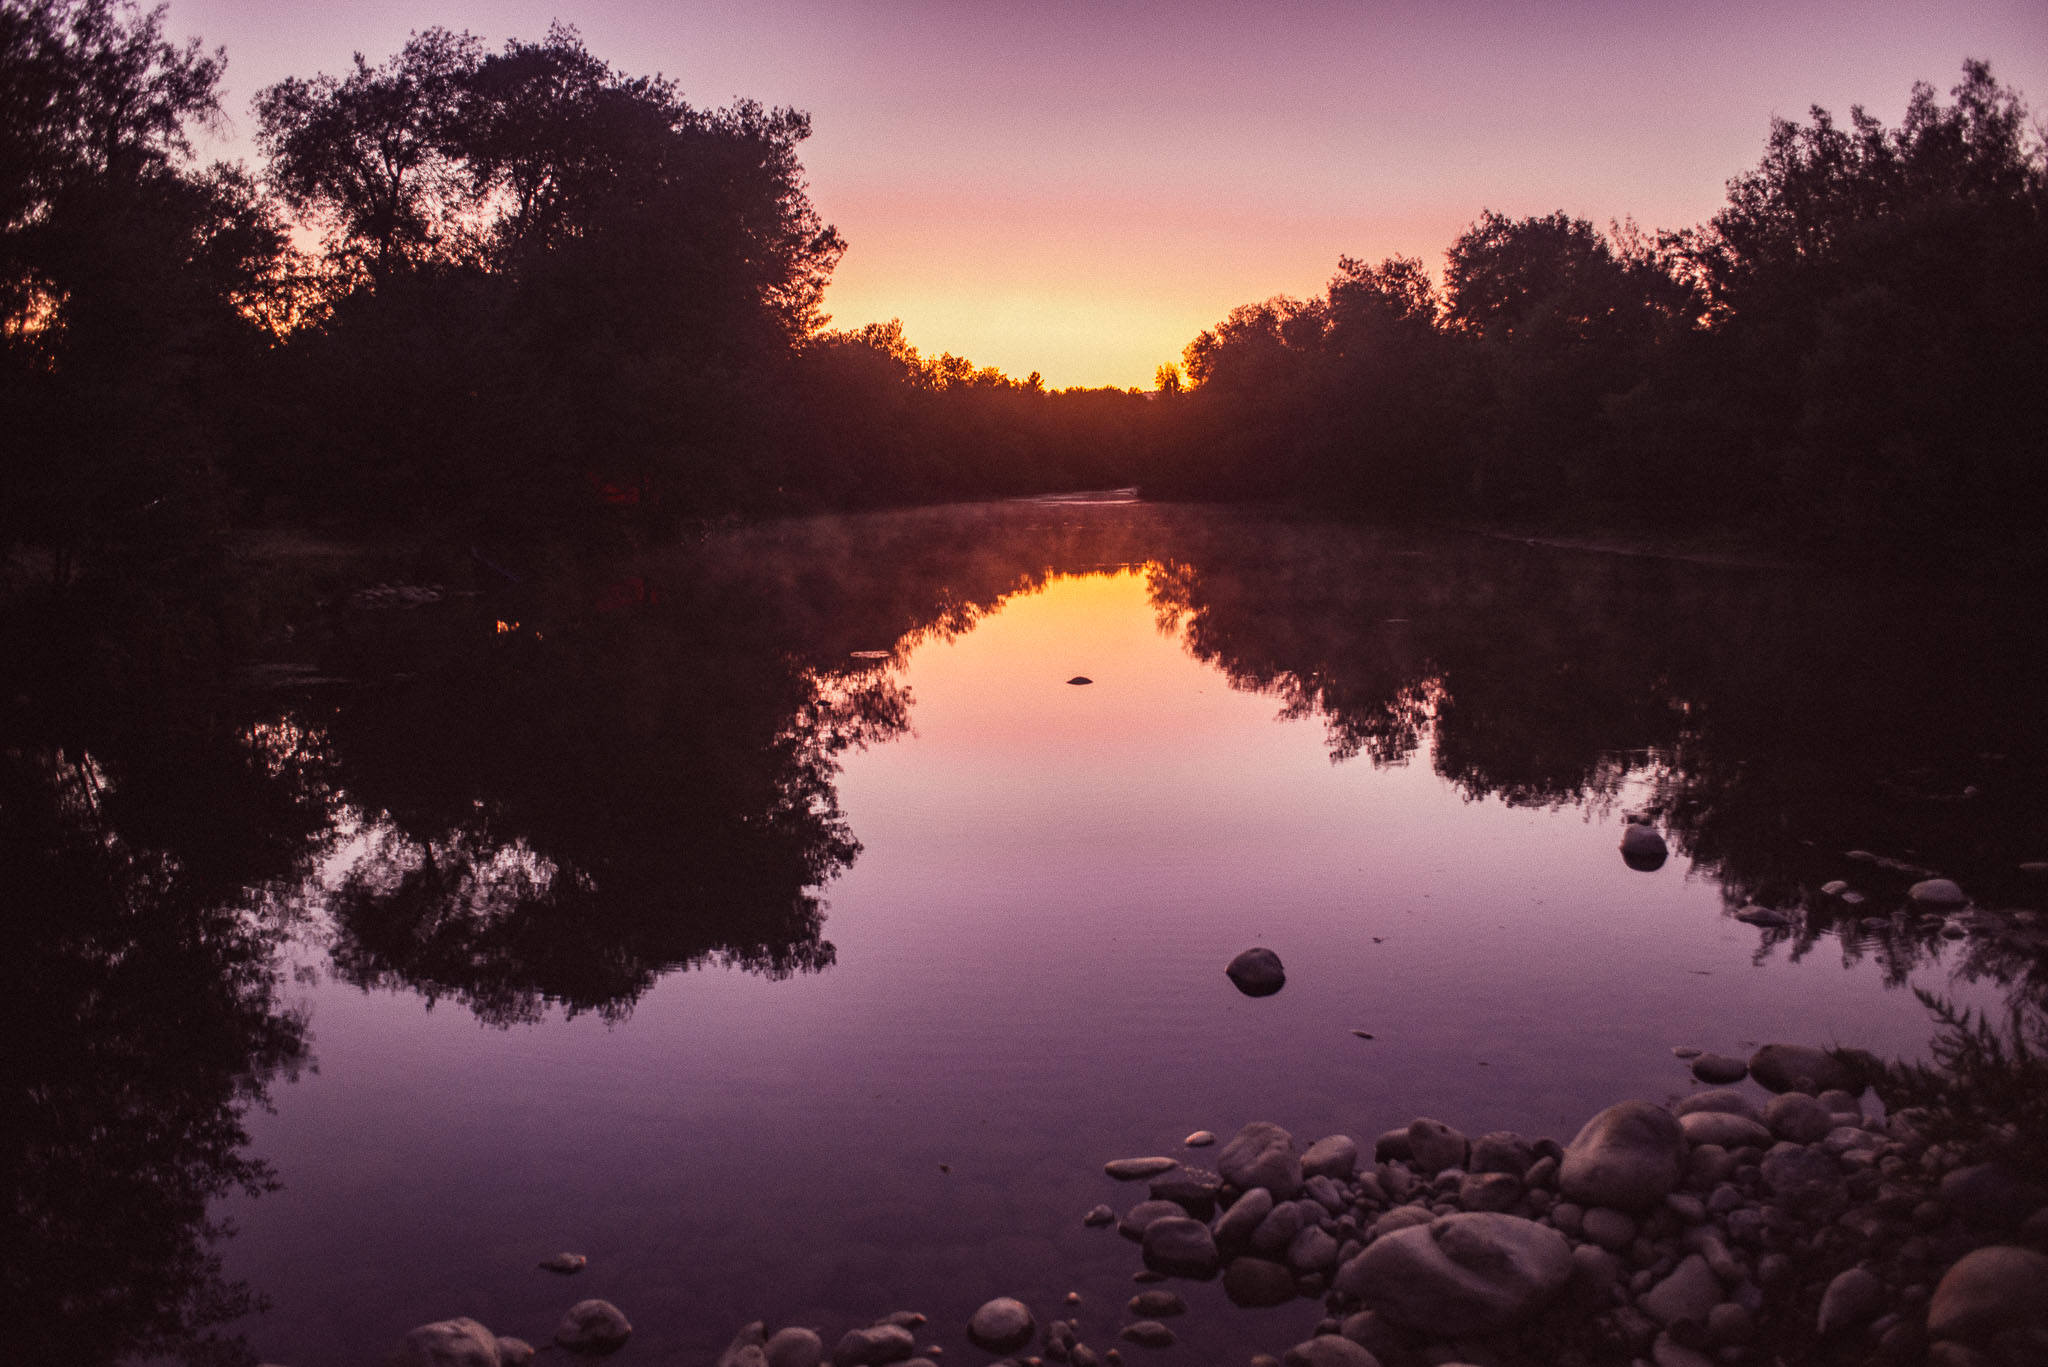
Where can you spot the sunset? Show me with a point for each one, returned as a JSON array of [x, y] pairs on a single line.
[[1079, 189], [1330, 685]]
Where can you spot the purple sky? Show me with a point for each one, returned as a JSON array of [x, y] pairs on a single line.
[[1079, 189]]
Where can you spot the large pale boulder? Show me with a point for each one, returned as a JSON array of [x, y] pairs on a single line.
[[1629, 1156], [448, 1343], [1262, 1155], [1463, 1274]]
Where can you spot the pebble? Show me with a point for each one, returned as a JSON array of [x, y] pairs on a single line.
[[1200, 1139], [1001, 1325], [1147, 1334], [1257, 972], [565, 1263], [592, 1326], [1137, 1169], [1157, 1305], [1719, 1068]]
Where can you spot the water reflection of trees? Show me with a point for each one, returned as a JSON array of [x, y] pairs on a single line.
[[1773, 722], [144, 1015]]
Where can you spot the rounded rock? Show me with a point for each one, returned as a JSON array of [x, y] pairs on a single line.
[[1181, 1246], [1261, 1155], [1462, 1274], [448, 1343], [1719, 1069], [1936, 892], [1800, 1068], [874, 1346], [1797, 1117], [1434, 1146], [1138, 1169], [1200, 1139], [1852, 1300], [1001, 1325], [1629, 1156], [1995, 1290], [1147, 1334], [1642, 849], [1157, 1304], [794, 1347], [1328, 1350], [592, 1326], [1725, 1128], [1257, 972], [1333, 1155], [1257, 1282], [514, 1352]]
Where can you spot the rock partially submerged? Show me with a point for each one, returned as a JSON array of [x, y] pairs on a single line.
[[1257, 972], [592, 1327], [1462, 1274], [1642, 848], [1001, 1325], [448, 1343], [1629, 1156]]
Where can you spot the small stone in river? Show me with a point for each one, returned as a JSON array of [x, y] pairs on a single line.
[[1136, 1169], [1642, 848], [1099, 1216], [1181, 1246], [1328, 1350], [1755, 915], [1001, 1325], [1719, 1069], [1936, 892], [1139, 1218], [1147, 1334], [1852, 1299], [448, 1343], [1686, 1051], [1200, 1139], [1434, 1146], [1157, 1304], [1332, 1156], [795, 1347], [565, 1263], [1800, 1068], [1257, 972], [1257, 1282], [1080, 679], [873, 1346], [518, 1352], [592, 1326], [1261, 1155]]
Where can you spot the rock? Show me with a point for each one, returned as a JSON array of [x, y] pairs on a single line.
[[1719, 1099], [1725, 1128], [1137, 1169], [1463, 1274], [568, 1264], [1003, 1324], [1200, 1139], [1851, 1301], [1434, 1146], [1147, 1334], [1803, 1179], [873, 1346], [1328, 1350], [1278, 1229], [1181, 1246], [1797, 1117], [1642, 848], [1501, 1151], [1391, 1146], [1834, 887], [1987, 1196], [1098, 1216], [1729, 1323], [1754, 915], [1798, 1068], [592, 1326], [903, 1319], [1628, 1156], [1327, 1192], [1490, 1191], [1234, 1227], [1257, 972], [1688, 1294], [514, 1352], [1667, 1351], [1608, 1227], [795, 1348], [1141, 1217], [1331, 1156], [1080, 679], [1990, 1291], [1261, 1155], [1936, 892], [448, 1343], [1400, 1218], [1157, 1304], [1719, 1068], [1257, 1282], [1192, 1189], [1312, 1251], [748, 1348]]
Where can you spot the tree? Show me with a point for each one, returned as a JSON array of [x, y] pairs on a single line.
[[368, 156]]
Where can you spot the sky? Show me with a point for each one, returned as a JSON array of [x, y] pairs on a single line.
[[1079, 189]]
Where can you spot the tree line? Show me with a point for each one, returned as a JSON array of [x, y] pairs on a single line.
[[505, 295]]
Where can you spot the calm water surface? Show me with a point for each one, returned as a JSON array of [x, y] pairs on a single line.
[[780, 927]]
